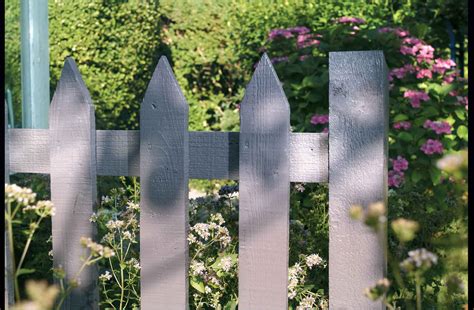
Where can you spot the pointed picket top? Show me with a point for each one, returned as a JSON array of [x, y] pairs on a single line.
[[264, 94], [71, 84], [164, 89]]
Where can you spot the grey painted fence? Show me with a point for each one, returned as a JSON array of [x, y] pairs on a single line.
[[265, 157]]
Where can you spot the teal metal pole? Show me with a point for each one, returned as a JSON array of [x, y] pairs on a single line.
[[34, 63]]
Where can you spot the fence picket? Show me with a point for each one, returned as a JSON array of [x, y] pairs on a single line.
[[358, 148], [164, 173], [264, 192], [73, 181]]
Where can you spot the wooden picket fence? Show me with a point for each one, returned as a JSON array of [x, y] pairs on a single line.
[[264, 157]]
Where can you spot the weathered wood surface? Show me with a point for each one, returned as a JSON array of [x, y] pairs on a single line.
[[264, 191], [9, 290], [164, 162], [213, 155], [358, 125], [73, 181]]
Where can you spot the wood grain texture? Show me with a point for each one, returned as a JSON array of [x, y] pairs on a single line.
[[164, 162], [73, 181], [358, 126], [264, 191], [213, 155], [9, 290]]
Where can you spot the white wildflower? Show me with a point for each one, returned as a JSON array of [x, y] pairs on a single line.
[[111, 225], [133, 206], [314, 260], [197, 268], [93, 218], [306, 303], [208, 290], [226, 263], [202, 230], [105, 276]]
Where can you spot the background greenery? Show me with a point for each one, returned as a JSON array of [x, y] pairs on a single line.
[[213, 47]]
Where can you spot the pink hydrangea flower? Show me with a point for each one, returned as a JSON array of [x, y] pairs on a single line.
[[348, 20], [440, 127], [319, 119], [325, 130], [355, 28], [453, 93], [412, 41], [407, 50], [399, 164], [415, 96], [401, 72], [441, 65], [395, 178], [425, 52], [463, 100], [305, 40], [276, 60], [274, 33], [448, 79], [422, 73], [402, 125], [401, 32], [432, 146]]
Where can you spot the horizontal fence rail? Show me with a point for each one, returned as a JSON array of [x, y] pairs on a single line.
[[264, 157], [212, 155]]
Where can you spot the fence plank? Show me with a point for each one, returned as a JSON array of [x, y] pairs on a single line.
[[9, 299], [164, 163], [264, 192], [73, 181], [213, 155], [358, 125]]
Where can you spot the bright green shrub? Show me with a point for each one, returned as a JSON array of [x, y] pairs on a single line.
[[116, 47]]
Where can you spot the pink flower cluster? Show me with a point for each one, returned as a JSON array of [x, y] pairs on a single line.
[[432, 146], [348, 20], [415, 96], [308, 39], [401, 72], [287, 33], [416, 47], [424, 73], [463, 100], [399, 164], [319, 119], [438, 127], [402, 125], [441, 65], [396, 176]]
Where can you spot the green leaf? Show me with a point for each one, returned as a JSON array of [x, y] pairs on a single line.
[[430, 111], [462, 132], [400, 117], [416, 176], [199, 286], [460, 114], [435, 174], [405, 136], [24, 271], [231, 305]]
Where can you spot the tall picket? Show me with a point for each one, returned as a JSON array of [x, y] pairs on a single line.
[[73, 182], [358, 148], [9, 298], [164, 173], [264, 188]]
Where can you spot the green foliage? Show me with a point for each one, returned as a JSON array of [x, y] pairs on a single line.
[[116, 46]]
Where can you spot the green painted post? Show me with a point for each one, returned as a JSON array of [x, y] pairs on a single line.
[[34, 63]]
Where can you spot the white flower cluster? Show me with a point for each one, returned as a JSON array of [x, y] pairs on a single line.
[[226, 263], [134, 263], [112, 225], [97, 249], [133, 206], [296, 276], [21, 195], [197, 268], [419, 258], [306, 303], [315, 260], [105, 276], [203, 231], [42, 208]]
